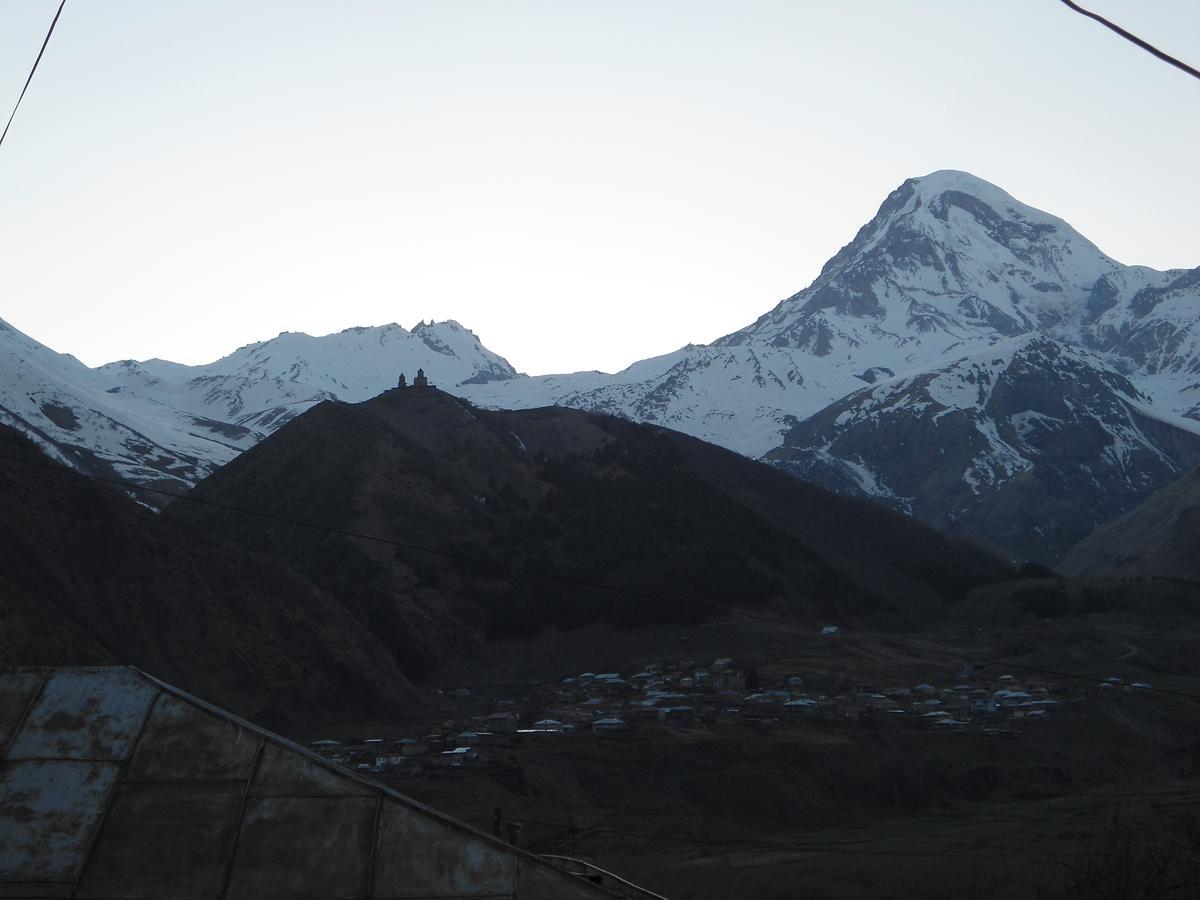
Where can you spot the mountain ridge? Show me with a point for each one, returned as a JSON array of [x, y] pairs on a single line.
[[949, 267]]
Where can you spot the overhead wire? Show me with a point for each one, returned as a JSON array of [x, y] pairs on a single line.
[[31, 71], [1133, 38]]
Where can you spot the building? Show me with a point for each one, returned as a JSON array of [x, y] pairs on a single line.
[[420, 381], [609, 723], [501, 723], [458, 757], [114, 784], [681, 715]]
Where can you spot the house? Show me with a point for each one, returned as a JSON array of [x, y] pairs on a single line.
[[610, 723], [1011, 698], [729, 678], [679, 714], [802, 707], [831, 631], [727, 716], [501, 722], [607, 685], [949, 724], [458, 757], [982, 706], [548, 725]]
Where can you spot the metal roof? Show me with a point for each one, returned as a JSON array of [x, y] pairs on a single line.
[[113, 784]]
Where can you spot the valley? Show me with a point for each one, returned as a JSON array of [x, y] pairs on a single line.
[[854, 800]]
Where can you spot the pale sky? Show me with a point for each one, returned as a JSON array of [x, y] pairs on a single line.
[[583, 184]]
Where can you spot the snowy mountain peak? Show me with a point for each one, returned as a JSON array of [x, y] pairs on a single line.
[[949, 261]]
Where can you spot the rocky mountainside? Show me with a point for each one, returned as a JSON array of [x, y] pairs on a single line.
[[951, 272], [587, 497], [89, 577], [1026, 446], [82, 420], [1159, 538]]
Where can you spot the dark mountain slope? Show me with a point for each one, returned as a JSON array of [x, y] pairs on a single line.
[[1026, 446], [1161, 537], [89, 577], [559, 490]]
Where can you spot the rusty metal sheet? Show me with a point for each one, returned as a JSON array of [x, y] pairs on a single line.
[[182, 742], [540, 881], [310, 847], [48, 813], [165, 840], [419, 856], [16, 690], [85, 714], [284, 772]]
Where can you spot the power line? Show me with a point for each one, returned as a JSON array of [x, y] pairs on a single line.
[[1133, 38], [567, 579], [34, 69]]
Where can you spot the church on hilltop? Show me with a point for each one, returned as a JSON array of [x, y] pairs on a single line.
[[419, 382]]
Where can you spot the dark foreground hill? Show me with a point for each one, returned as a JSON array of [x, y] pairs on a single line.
[[581, 495], [89, 577], [1161, 537]]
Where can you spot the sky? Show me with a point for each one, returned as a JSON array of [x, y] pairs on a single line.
[[583, 184]]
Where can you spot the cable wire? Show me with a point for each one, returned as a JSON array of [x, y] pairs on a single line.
[[34, 69], [1133, 38]]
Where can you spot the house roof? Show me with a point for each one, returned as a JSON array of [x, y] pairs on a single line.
[[114, 784]]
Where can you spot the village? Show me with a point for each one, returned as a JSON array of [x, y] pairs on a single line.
[[721, 694]]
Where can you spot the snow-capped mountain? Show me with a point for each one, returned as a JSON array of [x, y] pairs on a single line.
[[742, 397], [1027, 445], [949, 265], [75, 416], [949, 260], [953, 278], [1148, 322], [166, 425], [264, 385]]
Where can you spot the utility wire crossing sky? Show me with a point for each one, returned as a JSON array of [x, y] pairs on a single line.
[[583, 185]]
